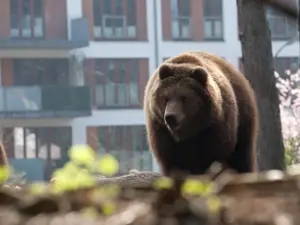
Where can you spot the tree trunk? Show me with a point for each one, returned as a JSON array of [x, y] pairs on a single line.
[[258, 68]]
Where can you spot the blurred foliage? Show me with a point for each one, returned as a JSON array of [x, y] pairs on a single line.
[[79, 172], [292, 146], [17, 178]]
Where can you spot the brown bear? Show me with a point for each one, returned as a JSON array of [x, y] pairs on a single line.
[[199, 109]]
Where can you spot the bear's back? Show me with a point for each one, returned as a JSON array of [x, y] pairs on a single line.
[[238, 81], [244, 94], [248, 122]]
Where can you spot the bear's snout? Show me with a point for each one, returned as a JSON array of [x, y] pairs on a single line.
[[172, 120]]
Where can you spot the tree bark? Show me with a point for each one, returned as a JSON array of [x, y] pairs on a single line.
[[258, 68]]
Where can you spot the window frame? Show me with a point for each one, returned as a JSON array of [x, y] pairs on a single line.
[[219, 18], [272, 14], [177, 16], [287, 61], [37, 131], [133, 69], [19, 14], [62, 66], [114, 15], [124, 136]]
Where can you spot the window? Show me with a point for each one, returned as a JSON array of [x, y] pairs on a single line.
[[128, 144], [30, 72], [27, 18], [117, 83], [115, 19], [213, 19], [48, 143], [43, 142], [282, 64], [181, 19], [280, 25]]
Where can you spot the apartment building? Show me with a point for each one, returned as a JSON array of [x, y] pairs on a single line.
[[74, 71]]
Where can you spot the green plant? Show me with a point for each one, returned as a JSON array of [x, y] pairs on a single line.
[[292, 146]]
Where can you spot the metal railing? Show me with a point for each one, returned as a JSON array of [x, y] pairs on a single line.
[[44, 99]]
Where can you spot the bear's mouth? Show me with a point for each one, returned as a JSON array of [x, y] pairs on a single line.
[[175, 129], [177, 133]]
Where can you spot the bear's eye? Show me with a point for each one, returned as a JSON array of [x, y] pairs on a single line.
[[165, 100]]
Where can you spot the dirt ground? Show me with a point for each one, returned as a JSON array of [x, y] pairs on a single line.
[[260, 199]]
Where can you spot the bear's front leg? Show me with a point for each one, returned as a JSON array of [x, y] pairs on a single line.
[[243, 160], [162, 145]]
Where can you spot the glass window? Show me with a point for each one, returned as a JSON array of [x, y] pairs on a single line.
[[213, 19], [115, 19], [128, 144], [30, 14], [117, 83]]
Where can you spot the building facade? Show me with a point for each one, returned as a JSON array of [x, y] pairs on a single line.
[[74, 71]]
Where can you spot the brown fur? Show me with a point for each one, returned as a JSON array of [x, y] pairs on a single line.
[[216, 108]]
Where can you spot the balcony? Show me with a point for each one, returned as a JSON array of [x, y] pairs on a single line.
[[79, 37], [45, 102]]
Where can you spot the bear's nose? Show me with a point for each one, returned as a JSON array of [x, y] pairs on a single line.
[[171, 120]]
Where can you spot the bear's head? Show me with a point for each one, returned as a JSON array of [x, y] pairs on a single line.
[[188, 99]]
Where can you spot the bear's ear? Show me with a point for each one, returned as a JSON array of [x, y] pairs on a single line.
[[165, 71], [200, 75]]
